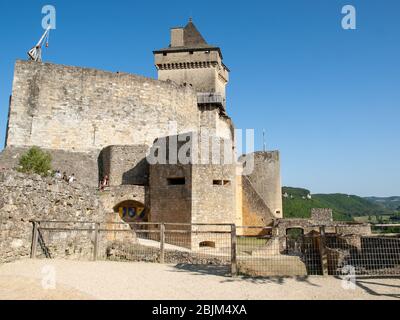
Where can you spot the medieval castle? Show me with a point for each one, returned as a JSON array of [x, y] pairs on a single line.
[[96, 123]]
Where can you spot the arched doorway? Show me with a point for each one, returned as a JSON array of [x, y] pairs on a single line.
[[131, 211]]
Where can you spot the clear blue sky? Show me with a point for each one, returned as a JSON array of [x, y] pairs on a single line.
[[329, 98]]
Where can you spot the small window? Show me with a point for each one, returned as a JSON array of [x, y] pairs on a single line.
[[176, 181], [221, 182], [191, 52], [165, 54], [207, 244]]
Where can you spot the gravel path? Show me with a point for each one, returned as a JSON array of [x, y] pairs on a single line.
[[117, 280]]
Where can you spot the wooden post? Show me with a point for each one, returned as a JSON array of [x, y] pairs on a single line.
[[233, 251], [324, 256], [162, 243], [96, 241], [35, 238]]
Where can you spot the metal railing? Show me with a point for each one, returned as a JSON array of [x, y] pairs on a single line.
[[252, 251], [176, 243], [210, 98]]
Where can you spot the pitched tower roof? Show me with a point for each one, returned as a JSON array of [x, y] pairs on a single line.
[[192, 41], [192, 37]]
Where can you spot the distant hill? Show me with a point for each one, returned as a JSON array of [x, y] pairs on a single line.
[[392, 203], [345, 207]]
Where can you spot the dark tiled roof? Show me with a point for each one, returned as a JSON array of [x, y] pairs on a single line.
[[192, 36], [192, 40]]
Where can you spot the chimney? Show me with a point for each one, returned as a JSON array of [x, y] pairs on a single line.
[[177, 37]]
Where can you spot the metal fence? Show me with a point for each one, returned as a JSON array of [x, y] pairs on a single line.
[[260, 253], [370, 255], [251, 251], [200, 244]]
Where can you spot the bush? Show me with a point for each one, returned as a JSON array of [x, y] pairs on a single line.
[[35, 161]]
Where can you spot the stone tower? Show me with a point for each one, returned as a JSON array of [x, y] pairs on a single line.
[[190, 60]]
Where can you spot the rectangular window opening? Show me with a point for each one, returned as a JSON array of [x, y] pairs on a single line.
[[176, 181], [221, 182]]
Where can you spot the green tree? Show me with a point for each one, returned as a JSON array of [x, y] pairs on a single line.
[[35, 161]]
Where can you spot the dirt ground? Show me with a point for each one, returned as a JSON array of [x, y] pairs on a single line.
[[59, 279]]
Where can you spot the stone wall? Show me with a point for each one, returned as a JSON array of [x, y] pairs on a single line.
[[203, 70], [217, 123], [266, 179], [321, 215], [354, 229], [120, 251], [83, 164], [205, 194], [333, 227], [26, 197], [225, 128], [255, 211], [170, 202], [125, 165], [213, 194], [79, 109], [115, 195]]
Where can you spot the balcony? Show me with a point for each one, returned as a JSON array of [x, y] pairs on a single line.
[[211, 98]]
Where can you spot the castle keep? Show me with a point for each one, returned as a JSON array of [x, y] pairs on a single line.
[[96, 123]]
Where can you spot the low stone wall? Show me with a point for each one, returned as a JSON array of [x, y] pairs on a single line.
[[123, 251], [71, 245], [273, 266], [31, 197], [310, 225]]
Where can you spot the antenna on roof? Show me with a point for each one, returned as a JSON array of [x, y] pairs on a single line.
[[264, 142]]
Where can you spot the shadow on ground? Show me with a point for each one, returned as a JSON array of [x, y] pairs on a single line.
[[365, 283], [204, 269], [225, 272]]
